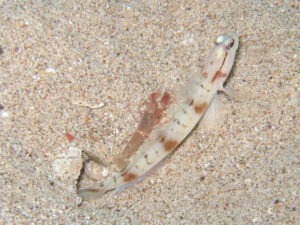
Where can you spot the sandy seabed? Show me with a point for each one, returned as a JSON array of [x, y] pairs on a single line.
[[56, 56]]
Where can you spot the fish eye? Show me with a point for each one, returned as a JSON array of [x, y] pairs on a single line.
[[220, 39], [231, 43]]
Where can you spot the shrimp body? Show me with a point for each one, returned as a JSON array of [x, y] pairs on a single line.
[[201, 92]]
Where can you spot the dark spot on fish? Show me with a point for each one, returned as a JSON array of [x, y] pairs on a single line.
[[129, 176], [169, 145], [191, 102], [204, 74], [218, 74], [200, 107]]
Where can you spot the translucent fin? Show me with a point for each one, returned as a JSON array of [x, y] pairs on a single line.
[[213, 115], [234, 94], [91, 193], [190, 85]]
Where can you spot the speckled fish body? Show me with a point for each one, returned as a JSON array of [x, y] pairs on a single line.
[[164, 140]]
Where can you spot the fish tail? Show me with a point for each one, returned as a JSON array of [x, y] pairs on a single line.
[[91, 193]]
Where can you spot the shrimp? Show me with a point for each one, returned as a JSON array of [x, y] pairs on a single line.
[[151, 116]]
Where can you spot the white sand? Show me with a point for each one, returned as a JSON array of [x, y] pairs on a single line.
[[116, 53]]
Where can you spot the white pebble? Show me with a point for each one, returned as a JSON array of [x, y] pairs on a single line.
[[4, 114], [50, 70]]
